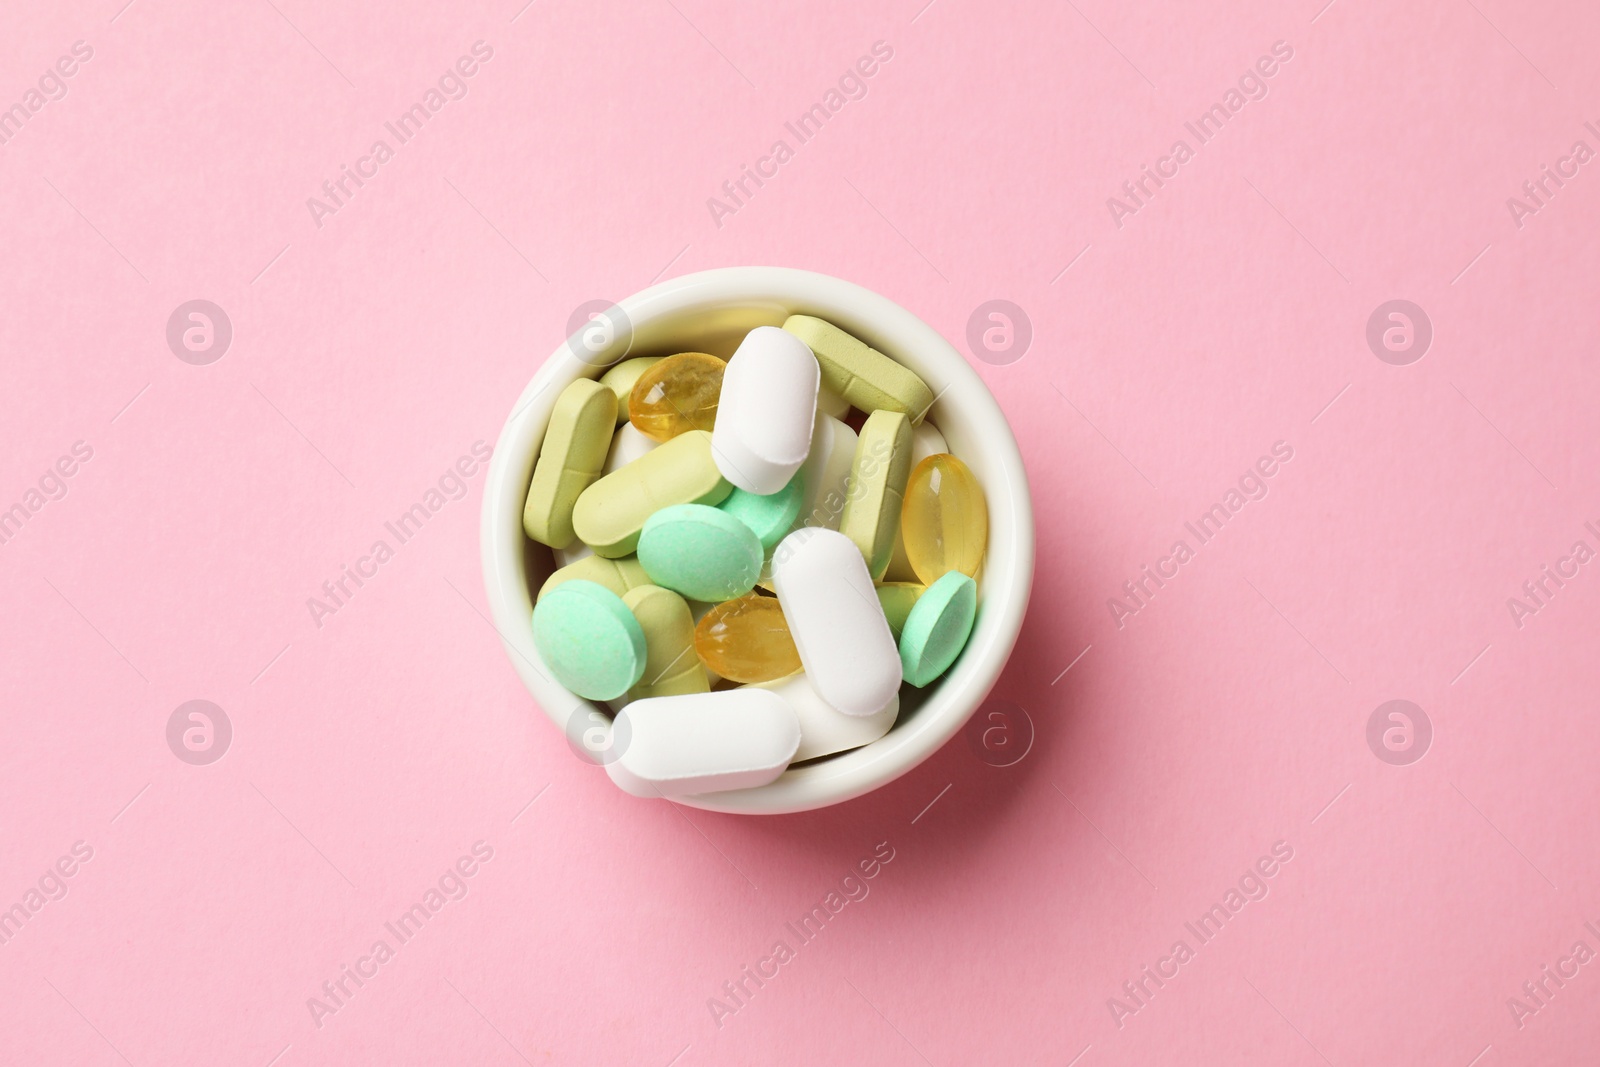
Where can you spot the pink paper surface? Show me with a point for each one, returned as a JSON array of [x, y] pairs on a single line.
[[1178, 338]]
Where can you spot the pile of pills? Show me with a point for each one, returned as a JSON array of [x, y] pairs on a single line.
[[753, 555]]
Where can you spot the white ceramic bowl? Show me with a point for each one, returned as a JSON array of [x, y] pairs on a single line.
[[710, 312]]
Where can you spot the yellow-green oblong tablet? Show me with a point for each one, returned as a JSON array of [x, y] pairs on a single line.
[[861, 374], [671, 666], [617, 575], [620, 378], [611, 512], [877, 486], [574, 450], [897, 599]]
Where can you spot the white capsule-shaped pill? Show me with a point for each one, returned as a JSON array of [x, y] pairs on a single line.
[[565, 557], [836, 620], [825, 476], [823, 729], [926, 440], [766, 410], [628, 445], [702, 742]]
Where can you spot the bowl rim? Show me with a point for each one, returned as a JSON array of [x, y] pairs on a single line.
[[1006, 588]]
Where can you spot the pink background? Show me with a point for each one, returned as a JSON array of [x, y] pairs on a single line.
[[1227, 314]]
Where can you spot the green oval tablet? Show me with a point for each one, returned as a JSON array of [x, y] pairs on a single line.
[[701, 552], [938, 627], [589, 639], [770, 516]]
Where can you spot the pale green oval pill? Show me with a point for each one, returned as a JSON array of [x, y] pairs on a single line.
[[589, 639], [701, 552], [770, 516], [938, 627]]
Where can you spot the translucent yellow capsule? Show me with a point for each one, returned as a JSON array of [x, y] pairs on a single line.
[[944, 520], [747, 640], [676, 395]]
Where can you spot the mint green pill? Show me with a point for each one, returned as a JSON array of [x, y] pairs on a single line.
[[589, 639], [700, 552], [938, 627], [770, 516]]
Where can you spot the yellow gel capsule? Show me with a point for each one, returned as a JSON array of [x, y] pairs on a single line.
[[944, 520], [671, 667], [676, 395], [747, 640]]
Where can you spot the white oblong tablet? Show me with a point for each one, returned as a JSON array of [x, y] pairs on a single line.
[[565, 557], [703, 742], [628, 445], [825, 477], [926, 440], [836, 620], [766, 410], [825, 730]]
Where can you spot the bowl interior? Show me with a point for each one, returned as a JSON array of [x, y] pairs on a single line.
[[711, 312]]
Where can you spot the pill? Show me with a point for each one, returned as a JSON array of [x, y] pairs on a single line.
[[826, 473], [837, 623], [770, 517], [620, 378], [747, 640], [565, 557], [570, 458], [824, 731], [676, 395], [617, 575], [626, 446], [945, 521], [611, 512], [897, 599], [701, 552], [671, 666], [831, 403], [938, 627], [865, 377], [767, 410], [877, 485], [703, 742], [926, 440], [589, 639]]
